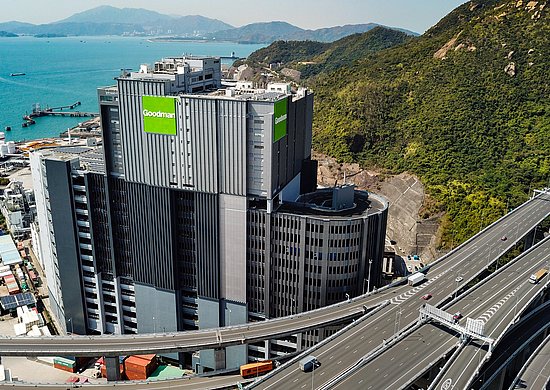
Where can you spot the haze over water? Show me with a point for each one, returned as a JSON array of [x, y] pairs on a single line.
[[61, 71]]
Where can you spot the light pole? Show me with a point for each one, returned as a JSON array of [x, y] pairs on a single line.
[[71, 321], [312, 375], [457, 281], [368, 282], [154, 325], [516, 306], [229, 317], [347, 296]]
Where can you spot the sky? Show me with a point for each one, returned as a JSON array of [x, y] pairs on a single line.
[[415, 15]]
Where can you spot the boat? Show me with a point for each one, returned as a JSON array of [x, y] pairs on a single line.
[[8, 128], [17, 74]]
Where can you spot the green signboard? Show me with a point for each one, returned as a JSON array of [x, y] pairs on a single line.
[[279, 118], [159, 115]]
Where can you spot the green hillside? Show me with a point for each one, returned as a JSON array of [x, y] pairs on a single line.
[[312, 58], [466, 107]]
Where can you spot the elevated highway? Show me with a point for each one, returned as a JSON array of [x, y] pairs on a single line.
[[535, 374], [496, 303], [523, 338], [513, 295]]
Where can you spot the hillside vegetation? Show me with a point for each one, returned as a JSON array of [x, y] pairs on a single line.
[[465, 107], [312, 58]]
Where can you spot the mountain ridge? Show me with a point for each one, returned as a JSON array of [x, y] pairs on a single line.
[[108, 20]]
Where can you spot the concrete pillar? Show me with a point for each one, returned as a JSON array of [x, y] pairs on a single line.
[[112, 367], [267, 344], [529, 239]]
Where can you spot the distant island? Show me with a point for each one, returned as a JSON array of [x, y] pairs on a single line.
[[50, 35], [5, 34]]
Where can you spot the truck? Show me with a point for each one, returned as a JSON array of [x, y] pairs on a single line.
[[416, 278], [308, 363], [538, 275]]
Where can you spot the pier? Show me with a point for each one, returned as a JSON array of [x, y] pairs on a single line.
[[55, 111]]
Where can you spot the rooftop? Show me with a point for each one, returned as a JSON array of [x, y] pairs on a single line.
[[91, 157], [321, 203]]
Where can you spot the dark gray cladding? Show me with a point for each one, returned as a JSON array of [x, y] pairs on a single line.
[[151, 235], [164, 237], [207, 239], [63, 222], [99, 221]]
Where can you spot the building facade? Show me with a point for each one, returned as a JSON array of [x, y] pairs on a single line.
[[200, 210]]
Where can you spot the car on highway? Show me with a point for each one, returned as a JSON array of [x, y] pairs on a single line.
[[426, 297], [459, 279], [457, 316], [503, 238]]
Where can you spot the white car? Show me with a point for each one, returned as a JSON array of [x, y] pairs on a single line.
[[459, 279]]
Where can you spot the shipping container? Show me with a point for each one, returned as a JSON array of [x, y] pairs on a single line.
[[64, 368], [140, 366], [65, 361], [135, 376]]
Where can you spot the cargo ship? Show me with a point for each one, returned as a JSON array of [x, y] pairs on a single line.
[[17, 74]]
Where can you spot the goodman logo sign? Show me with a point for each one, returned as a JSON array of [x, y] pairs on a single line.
[[279, 118], [159, 115]]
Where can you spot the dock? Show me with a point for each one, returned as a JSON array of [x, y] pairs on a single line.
[[55, 111]]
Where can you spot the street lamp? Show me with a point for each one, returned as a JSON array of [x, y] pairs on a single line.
[[368, 282], [457, 281], [312, 375], [347, 296], [71, 321], [229, 316], [516, 306], [154, 325]]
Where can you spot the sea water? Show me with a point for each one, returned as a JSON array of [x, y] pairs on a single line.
[[62, 71]]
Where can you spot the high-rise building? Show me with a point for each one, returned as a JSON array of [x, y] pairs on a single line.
[[200, 210]]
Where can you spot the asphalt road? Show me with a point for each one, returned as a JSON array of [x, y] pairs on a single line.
[[533, 324], [343, 352], [495, 302], [191, 383], [537, 373]]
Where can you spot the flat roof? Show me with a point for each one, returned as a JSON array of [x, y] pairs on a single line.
[[8, 251], [364, 204]]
